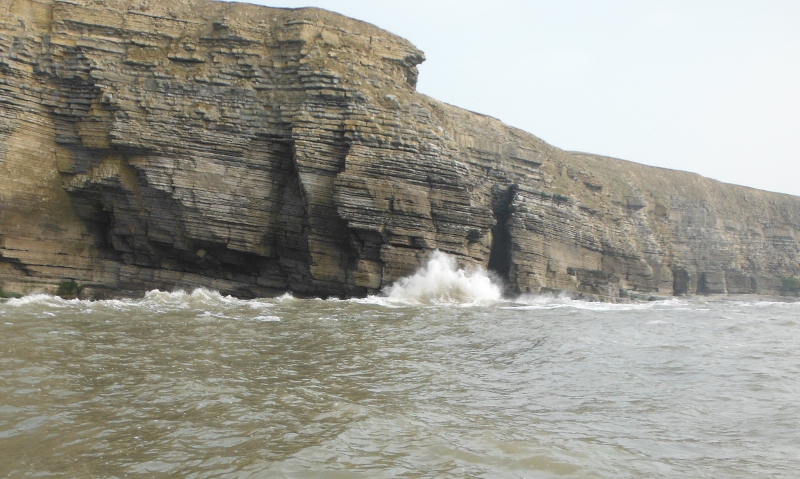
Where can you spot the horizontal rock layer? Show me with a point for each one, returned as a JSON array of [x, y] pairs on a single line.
[[256, 150]]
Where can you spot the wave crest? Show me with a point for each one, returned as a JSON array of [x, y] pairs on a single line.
[[199, 297], [202, 299], [41, 299]]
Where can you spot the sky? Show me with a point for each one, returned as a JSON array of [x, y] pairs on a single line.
[[711, 87]]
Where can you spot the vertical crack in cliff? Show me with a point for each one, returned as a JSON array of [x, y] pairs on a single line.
[[345, 236], [291, 242], [318, 161], [500, 253]]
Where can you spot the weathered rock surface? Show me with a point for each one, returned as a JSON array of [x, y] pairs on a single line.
[[190, 143]]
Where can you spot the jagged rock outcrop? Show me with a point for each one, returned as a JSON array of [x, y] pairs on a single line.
[[254, 150]]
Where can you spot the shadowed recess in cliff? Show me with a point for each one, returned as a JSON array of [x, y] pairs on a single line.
[[145, 226], [680, 282], [500, 255], [332, 255], [288, 232], [141, 216]]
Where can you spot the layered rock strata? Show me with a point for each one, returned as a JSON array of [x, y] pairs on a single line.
[[256, 151]]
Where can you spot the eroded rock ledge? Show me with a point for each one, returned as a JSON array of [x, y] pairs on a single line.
[[149, 144]]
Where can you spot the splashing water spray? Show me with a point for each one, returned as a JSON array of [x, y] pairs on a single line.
[[441, 281]]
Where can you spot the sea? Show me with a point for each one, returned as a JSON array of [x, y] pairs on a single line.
[[439, 376]]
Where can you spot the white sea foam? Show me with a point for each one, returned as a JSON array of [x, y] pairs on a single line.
[[206, 303], [43, 300], [530, 301], [441, 281], [176, 299], [213, 303], [197, 298]]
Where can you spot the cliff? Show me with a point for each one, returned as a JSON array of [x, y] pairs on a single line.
[[253, 150]]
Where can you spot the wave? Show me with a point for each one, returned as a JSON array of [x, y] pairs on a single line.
[[198, 298], [441, 282], [211, 302], [545, 301], [438, 282], [208, 303], [40, 299]]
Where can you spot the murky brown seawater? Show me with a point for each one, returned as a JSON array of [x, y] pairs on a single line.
[[201, 386]]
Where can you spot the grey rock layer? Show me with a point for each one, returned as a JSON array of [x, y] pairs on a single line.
[[255, 151]]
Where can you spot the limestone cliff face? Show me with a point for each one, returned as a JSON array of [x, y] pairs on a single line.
[[148, 144]]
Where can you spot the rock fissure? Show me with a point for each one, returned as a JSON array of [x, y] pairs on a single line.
[[500, 256]]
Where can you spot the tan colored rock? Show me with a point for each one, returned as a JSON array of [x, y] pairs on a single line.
[[254, 150]]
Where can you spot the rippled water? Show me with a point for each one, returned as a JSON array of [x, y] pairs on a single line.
[[199, 385]]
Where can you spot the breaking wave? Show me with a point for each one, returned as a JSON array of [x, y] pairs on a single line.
[[549, 301], [41, 299], [201, 302], [212, 303], [438, 282], [441, 281]]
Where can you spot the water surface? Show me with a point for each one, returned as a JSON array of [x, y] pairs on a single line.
[[454, 383]]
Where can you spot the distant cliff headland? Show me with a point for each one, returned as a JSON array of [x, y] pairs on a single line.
[[177, 144]]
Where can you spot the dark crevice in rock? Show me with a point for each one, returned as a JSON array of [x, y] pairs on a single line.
[[680, 281], [329, 234], [711, 283], [210, 259], [102, 227], [291, 239], [367, 244], [347, 240], [702, 284], [500, 254]]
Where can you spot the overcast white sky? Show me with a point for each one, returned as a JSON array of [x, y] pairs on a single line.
[[711, 87]]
